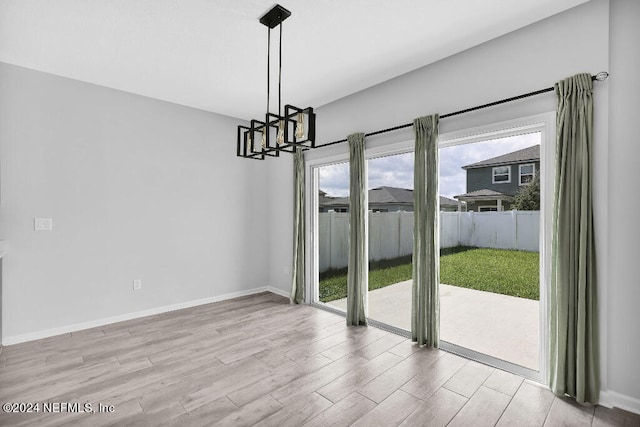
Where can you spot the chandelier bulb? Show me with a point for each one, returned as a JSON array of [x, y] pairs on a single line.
[[264, 139], [300, 126], [249, 141], [280, 136]]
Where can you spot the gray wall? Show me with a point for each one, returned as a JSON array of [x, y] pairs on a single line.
[[623, 283], [137, 189], [534, 57]]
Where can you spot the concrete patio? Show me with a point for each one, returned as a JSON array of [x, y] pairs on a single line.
[[501, 326]]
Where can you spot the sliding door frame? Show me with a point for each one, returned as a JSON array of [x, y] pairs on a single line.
[[312, 172], [546, 125]]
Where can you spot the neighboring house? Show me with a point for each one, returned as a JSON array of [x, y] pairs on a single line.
[[493, 183], [382, 199], [324, 200]]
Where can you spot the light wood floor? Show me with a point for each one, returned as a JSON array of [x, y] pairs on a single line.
[[259, 360]]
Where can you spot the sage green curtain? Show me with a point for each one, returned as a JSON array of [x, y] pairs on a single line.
[[358, 259], [425, 304], [297, 289], [574, 363]]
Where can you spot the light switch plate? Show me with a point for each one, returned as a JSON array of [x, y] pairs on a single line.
[[42, 224], [137, 284]]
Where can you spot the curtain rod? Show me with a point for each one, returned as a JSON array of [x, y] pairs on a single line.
[[601, 76]]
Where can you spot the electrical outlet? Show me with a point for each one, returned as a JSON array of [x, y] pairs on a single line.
[[286, 269], [42, 224], [137, 285]]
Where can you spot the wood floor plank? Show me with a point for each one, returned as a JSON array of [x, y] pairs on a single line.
[[277, 351], [351, 381], [483, 409], [391, 412], [317, 379], [504, 382], [380, 346], [566, 412], [297, 413], [529, 406], [273, 338], [275, 358], [164, 415], [405, 348], [236, 376], [277, 379], [205, 414], [438, 410], [605, 417], [171, 388], [363, 339], [469, 378], [317, 347], [251, 413], [343, 413], [30, 389], [428, 382], [385, 384]]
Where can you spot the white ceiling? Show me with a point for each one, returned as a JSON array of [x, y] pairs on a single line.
[[211, 54]]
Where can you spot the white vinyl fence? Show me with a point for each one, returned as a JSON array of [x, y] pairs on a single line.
[[391, 233]]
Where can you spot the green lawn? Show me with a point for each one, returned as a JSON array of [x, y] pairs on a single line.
[[500, 271]]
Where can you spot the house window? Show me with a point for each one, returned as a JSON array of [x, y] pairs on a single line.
[[527, 172], [487, 209], [501, 174]]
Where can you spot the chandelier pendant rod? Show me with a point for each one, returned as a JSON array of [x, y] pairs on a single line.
[[280, 73], [268, 65]]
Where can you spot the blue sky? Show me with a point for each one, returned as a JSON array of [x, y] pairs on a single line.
[[397, 171]]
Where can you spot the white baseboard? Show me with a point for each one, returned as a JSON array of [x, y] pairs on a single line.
[[31, 336], [612, 399], [278, 291]]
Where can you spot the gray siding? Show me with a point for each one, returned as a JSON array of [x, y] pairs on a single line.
[[481, 178]]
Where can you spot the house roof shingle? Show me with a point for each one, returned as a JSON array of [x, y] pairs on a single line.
[[484, 194], [525, 155], [481, 193], [385, 195]]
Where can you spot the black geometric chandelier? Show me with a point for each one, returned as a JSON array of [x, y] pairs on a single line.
[[284, 131]]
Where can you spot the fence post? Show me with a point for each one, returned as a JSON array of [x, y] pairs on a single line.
[[514, 220], [331, 242], [459, 219], [399, 215]]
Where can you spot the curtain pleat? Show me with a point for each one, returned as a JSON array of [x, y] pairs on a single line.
[[297, 288], [425, 303], [574, 367], [358, 258]]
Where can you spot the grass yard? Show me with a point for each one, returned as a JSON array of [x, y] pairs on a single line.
[[507, 272]]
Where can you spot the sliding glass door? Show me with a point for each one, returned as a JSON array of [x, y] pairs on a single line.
[[490, 248], [495, 191]]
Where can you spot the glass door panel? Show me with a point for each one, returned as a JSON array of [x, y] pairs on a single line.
[[333, 234], [490, 249], [390, 194]]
